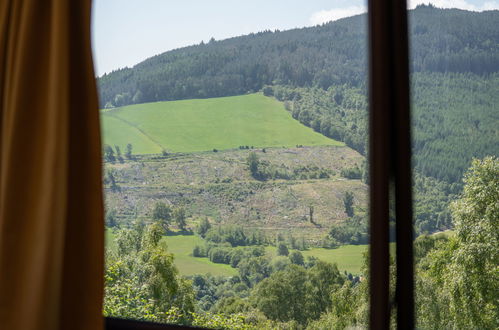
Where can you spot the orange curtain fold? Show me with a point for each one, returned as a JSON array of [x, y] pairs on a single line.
[[51, 209]]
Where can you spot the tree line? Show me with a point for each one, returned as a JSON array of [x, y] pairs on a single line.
[[326, 55]]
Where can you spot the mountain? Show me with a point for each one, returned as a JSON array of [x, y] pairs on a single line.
[[322, 56], [320, 74]]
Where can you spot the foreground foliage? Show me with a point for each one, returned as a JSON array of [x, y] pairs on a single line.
[[456, 278], [458, 281], [142, 281]]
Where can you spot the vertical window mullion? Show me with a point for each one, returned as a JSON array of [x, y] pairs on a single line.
[[404, 295], [390, 152], [379, 163]]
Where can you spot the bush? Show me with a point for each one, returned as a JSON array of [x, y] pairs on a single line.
[[353, 173], [297, 258], [203, 227], [198, 252], [219, 255], [353, 231], [235, 257], [268, 91], [282, 250]]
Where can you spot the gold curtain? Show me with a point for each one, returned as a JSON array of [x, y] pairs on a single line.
[[51, 210]]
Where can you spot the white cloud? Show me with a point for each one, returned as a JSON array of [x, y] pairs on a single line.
[[460, 4], [334, 14]]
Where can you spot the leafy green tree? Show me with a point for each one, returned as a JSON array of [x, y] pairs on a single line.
[[282, 249], [297, 294], [267, 91], [424, 244], [302, 245], [324, 278], [137, 98], [253, 270], [141, 281], [311, 214], [162, 214], [232, 305], [118, 154], [297, 258], [283, 296], [343, 313], [111, 179], [179, 217], [203, 227], [128, 153], [279, 263], [109, 154], [348, 203], [253, 163], [111, 220], [352, 173], [459, 280]]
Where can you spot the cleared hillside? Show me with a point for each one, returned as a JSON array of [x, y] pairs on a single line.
[[220, 187], [207, 124]]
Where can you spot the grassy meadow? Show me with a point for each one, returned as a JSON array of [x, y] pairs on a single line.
[[348, 257], [181, 246], [206, 124]]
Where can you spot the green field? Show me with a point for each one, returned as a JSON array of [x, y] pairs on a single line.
[[347, 257], [181, 246], [120, 133], [206, 124]]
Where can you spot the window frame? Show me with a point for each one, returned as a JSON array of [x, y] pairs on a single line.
[[389, 164]]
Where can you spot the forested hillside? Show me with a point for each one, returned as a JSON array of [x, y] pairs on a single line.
[[321, 73], [455, 118], [322, 56]]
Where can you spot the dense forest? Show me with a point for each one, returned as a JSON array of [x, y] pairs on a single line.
[[454, 118], [321, 73]]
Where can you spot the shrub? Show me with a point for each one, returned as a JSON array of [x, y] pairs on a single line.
[[352, 173], [282, 250], [297, 258], [198, 252]]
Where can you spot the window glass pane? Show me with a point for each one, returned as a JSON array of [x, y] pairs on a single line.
[[234, 145], [455, 85]]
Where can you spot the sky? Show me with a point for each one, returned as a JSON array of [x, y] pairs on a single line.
[[126, 32]]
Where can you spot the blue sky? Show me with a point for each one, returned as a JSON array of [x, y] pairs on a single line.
[[126, 32]]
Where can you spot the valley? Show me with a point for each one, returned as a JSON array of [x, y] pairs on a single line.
[[236, 181]]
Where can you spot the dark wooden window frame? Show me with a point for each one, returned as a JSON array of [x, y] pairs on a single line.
[[390, 162], [390, 169]]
